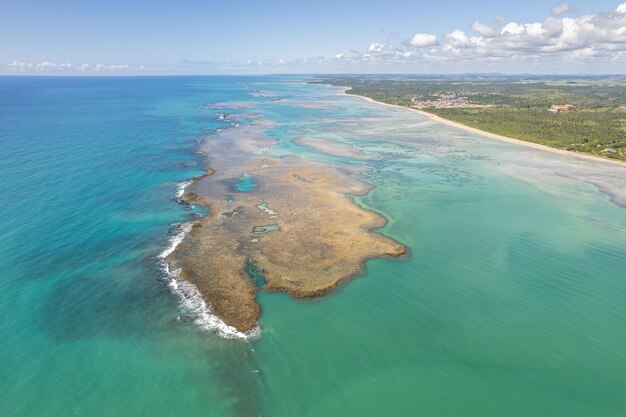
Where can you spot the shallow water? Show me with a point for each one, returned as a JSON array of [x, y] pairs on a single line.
[[511, 302], [261, 230], [246, 183]]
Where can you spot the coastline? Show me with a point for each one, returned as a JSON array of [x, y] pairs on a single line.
[[490, 135]]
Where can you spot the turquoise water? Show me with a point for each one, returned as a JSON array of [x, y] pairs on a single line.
[[246, 183], [261, 230], [511, 303], [256, 274], [269, 211]]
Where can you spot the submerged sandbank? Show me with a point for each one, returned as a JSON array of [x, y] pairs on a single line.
[[334, 148]]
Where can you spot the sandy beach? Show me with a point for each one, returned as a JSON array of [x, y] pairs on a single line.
[[491, 135]]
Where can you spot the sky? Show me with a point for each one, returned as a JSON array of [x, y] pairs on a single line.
[[87, 37]]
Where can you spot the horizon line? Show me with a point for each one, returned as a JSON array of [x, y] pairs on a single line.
[[328, 74]]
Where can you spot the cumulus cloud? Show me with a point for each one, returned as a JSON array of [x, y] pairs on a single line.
[[601, 35], [458, 38], [421, 40], [560, 9], [375, 47], [484, 30], [557, 38]]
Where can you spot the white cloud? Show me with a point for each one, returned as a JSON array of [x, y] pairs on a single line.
[[457, 38], [560, 9], [42, 66], [484, 30], [423, 39], [106, 67], [512, 29], [375, 47], [534, 29], [601, 36], [17, 64], [69, 68]]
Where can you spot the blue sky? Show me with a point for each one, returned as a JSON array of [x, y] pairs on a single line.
[[239, 37]]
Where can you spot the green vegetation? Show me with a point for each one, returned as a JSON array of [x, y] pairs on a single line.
[[593, 132], [573, 113]]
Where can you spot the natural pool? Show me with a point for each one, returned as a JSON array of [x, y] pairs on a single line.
[[266, 209], [261, 230], [246, 183]]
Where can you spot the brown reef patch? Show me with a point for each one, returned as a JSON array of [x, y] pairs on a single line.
[[298, 226]]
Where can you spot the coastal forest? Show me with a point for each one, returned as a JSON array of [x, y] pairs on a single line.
[[579, 114]]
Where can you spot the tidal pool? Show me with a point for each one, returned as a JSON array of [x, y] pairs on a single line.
[[261, 230], [246, 183]]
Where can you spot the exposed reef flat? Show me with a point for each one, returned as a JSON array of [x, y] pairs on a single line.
[[334, 148], [298, 226]]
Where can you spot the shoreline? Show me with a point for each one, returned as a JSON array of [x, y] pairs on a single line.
[[538, 146]]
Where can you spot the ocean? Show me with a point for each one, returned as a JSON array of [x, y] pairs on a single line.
[[511, 302]]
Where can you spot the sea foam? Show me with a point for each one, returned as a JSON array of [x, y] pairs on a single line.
[[181, 191]]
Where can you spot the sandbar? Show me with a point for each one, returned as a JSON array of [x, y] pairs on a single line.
[[334, 148]]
